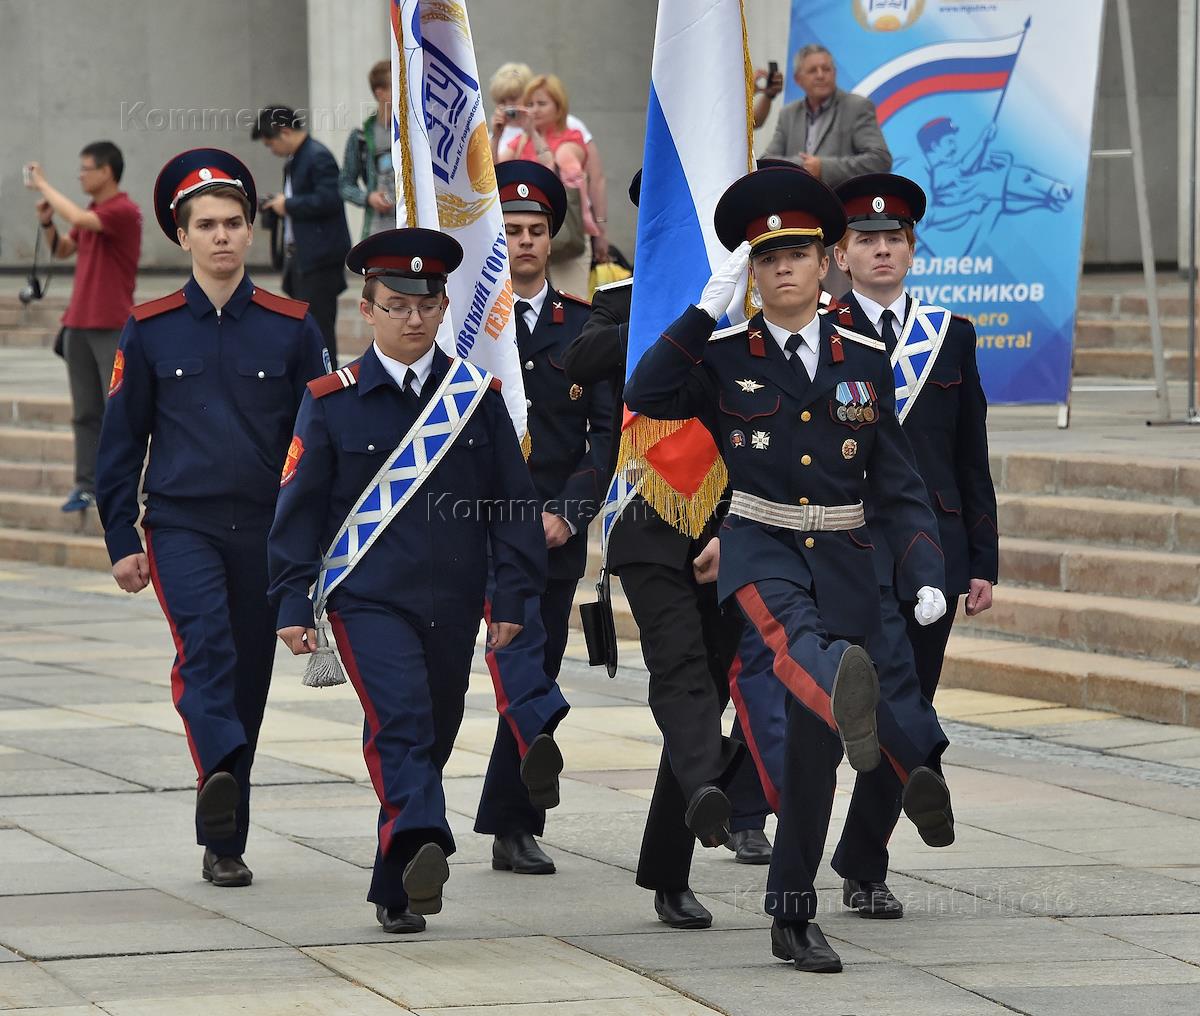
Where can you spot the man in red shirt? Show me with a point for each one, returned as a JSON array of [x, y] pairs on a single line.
[[107, 237]]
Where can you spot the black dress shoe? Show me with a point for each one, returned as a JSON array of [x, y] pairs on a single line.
[[750, 846], [707, 816], [805, 946], [398, 921], [926, 801], [520, 853], [216, 806], [539, 772], [226, 872], [852, 702], [871, 899], [424, 877], [681, 909]]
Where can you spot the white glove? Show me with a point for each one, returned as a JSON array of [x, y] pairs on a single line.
[[931, 604], [722, 287]]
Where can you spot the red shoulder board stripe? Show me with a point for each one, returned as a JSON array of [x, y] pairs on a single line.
[[279, 304], [583, 301], [495, 384], [327, 384], [961, 317], [152, 308]]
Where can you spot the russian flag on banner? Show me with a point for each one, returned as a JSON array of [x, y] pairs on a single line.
[[983, 65], [698, 141], [445, 180]]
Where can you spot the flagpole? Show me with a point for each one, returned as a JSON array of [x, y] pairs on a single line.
[[1016, 57]]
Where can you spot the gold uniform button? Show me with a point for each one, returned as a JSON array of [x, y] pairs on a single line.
[[806, 460], [805, 416], [804, 500], [810, 543]]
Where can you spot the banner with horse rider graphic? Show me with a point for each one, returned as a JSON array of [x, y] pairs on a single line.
[[977, 108]]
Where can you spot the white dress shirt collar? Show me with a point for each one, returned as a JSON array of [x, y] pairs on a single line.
[[398, 371], [874, 311], [809, 349], [536, 302]]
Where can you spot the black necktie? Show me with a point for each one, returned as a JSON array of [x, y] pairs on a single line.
[[887, 330], [793, 343], [410, 383], [523, 331]]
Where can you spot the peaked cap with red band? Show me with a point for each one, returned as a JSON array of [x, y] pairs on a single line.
[[879, 201], [776, 208], [193, 172], [527, 186], [411, 261]]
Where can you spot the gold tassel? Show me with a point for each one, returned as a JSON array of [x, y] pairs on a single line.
[[526, 446]]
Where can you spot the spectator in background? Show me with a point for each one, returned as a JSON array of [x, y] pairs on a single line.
[[368, 159], [507, 90], [766, 87], [316, 238], [107, 236], [545, 138], [832, 134]]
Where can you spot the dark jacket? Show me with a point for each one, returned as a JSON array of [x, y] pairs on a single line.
[[783, 441], [947, 428], [318, 216]]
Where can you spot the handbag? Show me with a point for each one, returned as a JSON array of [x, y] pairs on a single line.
[[599, 628], [571, 240]]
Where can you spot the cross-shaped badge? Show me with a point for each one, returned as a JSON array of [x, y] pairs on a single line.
[[761, 439]]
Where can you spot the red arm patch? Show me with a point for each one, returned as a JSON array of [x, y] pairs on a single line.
[[279, 304], [152, 308], [294, 453], [118, 374]]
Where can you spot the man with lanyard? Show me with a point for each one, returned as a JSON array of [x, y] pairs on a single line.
[[404, 469], [688, 641], [211, 377], [943, 410], [803, 413], [570, 430]]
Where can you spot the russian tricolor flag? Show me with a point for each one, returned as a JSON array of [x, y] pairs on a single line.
[[983, 65]]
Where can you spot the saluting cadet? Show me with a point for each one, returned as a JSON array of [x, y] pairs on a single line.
[[570, 429], [211, 377], [688, 640], [803, 412], [404, 468], [941, 405]]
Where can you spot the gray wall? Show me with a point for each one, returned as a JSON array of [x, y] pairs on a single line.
[[67, 67]]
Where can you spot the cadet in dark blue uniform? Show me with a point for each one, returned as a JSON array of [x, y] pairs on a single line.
[[944, 415], [803, 414], [211, 376], [405, 435], [570, 429]]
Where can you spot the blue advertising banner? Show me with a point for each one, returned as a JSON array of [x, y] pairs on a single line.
[[987, 104]]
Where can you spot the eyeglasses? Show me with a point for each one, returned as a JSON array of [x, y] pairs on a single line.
[[425, 309]]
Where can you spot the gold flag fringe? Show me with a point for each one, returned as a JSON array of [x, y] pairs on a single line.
[[688, 514], [526, 446]]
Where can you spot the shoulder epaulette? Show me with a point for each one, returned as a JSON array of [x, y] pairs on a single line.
[[963, 318], [582, 301], [495, 384], [327, 384], [725, 333], [615, 285], [862, 340], [152, 308], [279, 304]]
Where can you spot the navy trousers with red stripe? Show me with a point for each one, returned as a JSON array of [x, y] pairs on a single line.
[[529, 701], [412, 680], [212, 585], [909, 659], [786, 669]]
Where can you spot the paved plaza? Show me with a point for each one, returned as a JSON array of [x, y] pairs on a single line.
[[1073, 887]]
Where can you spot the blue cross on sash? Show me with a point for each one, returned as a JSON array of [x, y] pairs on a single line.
[[406, 469], [916, 350]]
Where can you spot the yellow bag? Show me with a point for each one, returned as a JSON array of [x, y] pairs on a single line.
[[604, 273]]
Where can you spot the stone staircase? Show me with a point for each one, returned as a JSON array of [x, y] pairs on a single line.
[[1112, 334]]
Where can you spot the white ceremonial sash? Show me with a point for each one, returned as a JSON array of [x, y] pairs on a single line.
[[620, 492], [916, 350], [403, 473]]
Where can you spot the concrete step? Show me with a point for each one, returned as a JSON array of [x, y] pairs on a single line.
[[1096, 520], [1129, 305], [1143, 688], [37, 478], [65, 550], [1120, 626], [41, 513], [1127, 363], [36, 411], [1166, 481], [26, 444], [1102, 571], [28, 337], [1127, 333]]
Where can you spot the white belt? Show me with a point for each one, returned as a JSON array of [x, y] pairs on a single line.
[[803, 517]]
